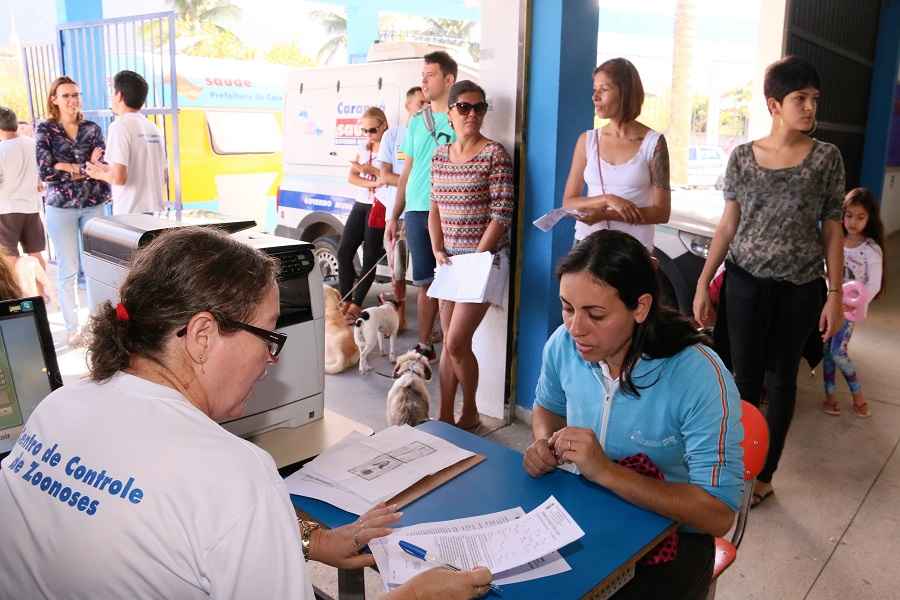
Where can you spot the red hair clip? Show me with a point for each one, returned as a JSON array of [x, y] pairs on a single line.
[[121, 312]]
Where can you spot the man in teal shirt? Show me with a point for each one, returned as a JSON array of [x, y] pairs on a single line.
[[428, 129]]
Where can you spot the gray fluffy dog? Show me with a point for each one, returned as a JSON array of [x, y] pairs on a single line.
[[408, 398]]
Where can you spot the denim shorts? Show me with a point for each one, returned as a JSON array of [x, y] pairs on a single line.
[[419, 243]]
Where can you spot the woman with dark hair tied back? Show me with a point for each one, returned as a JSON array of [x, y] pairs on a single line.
[[630, 394], [624, 164], [135, 490]]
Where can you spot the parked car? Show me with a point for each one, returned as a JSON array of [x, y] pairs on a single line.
[[682, 244], [706, 166]]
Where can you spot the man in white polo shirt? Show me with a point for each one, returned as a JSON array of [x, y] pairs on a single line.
[[135, 158]]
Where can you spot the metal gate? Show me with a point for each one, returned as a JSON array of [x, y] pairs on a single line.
[[92, 53]]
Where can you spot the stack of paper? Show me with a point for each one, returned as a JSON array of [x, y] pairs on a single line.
[[361, 471], [465, 279], [514, 545]]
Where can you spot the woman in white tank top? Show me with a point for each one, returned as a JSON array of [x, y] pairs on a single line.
[[625, 164]]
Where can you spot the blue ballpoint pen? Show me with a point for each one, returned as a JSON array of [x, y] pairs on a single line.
[[422, 554]]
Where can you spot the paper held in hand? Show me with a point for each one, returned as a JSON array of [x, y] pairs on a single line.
[[548, 221], [516, 546], [465, 279], [361, 471]]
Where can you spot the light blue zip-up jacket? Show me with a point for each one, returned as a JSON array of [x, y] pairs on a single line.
[[687, 418]]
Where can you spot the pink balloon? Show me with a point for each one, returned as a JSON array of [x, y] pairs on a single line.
[[856, 301]]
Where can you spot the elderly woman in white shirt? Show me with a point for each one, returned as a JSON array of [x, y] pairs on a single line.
[[203, 513], [624, 164]]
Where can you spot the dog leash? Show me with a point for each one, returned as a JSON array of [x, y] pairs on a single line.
[[360, 280]]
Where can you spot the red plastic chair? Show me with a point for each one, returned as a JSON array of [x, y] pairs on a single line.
[[756, 446]]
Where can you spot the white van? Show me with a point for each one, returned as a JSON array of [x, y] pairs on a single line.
[[321, 136]]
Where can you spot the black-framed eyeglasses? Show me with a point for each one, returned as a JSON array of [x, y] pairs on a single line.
[[274, 341], [370, 130], [464, 108]]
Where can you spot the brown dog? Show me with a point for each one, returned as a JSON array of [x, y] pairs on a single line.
[[340, 349]]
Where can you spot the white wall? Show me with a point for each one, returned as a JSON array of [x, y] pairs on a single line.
[[772, 15], [500, 55], [890, 201]]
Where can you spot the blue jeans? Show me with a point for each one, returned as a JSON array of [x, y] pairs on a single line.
[[65, 226], [419, 243]]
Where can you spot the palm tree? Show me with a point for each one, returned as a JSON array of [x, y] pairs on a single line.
[[679, 133], [194, 13], [336, 27]]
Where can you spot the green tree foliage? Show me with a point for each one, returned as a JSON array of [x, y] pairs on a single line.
[[218, 43], [699, 114], [735, 119], [453, 32], [13, 94], [289, 54], [335, 26], [195, 13]]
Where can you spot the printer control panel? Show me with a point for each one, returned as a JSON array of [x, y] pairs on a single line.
[[293, 284]]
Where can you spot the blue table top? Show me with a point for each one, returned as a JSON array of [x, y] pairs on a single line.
[[615, 531]]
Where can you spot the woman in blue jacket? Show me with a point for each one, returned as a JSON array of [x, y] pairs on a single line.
[[625, 381]]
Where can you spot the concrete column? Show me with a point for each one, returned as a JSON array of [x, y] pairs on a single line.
[[362, 29], [562, 54], [73, 11], [885, 76], [83, 51]]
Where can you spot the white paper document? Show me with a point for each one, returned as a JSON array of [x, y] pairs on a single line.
[[548, 221], [397, 567], [379, 467], [514, 546], [464, 279], [304, 484]]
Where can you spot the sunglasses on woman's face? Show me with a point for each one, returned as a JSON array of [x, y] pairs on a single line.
[[464, 108], [371, 130]]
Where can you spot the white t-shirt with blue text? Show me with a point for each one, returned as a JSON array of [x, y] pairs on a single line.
[[124, 489]]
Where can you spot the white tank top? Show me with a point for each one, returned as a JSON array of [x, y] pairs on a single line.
[[367, 157], [630, 180]]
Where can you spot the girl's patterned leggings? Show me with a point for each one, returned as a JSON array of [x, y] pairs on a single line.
[[836, 356]]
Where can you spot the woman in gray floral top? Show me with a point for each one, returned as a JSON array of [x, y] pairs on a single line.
[[782, 218]]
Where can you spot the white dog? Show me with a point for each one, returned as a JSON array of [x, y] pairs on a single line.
[[408, 398], [372, 326]]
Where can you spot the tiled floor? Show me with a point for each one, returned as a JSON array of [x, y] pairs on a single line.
[[832, 529]]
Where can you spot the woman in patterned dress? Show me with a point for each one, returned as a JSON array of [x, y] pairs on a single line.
[[65, 142], [471, 210]]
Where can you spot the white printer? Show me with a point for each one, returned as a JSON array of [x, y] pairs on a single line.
[[292, 392]]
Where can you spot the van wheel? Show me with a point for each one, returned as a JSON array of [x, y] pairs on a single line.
[[325, 252]]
